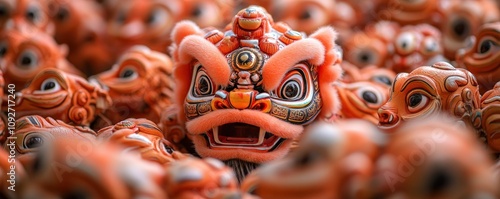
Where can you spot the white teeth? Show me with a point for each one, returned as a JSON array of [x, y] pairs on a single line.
[[262, 134], [215, 131], [391, 118], [139, 137]]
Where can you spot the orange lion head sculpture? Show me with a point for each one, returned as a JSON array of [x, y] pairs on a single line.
[[248, 92], [331, 161], [428, 90], [24, 53], [143, 136], [372, 46], [26, 13], [483, 58], [34, 132], [81, 26], [198, 178], [416, 46], [463, 19], [76, 169], [140, 84], [70, 98], [138, 22], [434, 158]]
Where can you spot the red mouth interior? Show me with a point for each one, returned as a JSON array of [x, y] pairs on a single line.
[[241, 135]]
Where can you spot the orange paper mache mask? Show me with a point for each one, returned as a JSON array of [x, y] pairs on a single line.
[[483, 58], [66, 97], [140, 135], [429, 90], [248, 92], [140, 84]]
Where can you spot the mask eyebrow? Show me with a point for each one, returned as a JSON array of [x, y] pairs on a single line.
[[274, 70], [198, 48], [420, 79]]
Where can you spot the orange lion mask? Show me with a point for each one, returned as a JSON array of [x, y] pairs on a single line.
[[248, 92]]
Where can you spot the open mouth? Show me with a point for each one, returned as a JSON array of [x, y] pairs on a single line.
[[241, 135]]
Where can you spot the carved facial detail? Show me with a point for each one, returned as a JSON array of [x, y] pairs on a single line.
[[315, 169], [416, 46], [407, 12], [363, 50], [444, 160], [140, 135], [208, 13], [306, 16], [24, 54], [198, 178], [100, 171], [277, 84], [81, 26], [63, 96], [26, 13], [482, 58], [428, 90], [362, 100], [464, 19], [34, 132], [140, 84], [490, 106], [142, 23]]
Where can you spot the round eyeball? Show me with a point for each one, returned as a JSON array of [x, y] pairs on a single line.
[[430, 45], [383, 79], [406, 43], [27, 60], [460, 28], [128, 73], [203, 87], [417, 102], [366, 57], [157, 16], [33, 141], [291, 90], [197, 11], [120, 17], [3, 48], [292, 87], [33, 14], [4, 10], [370, 97], [62, 14], [485, 46], [167, 148], [50, 85]]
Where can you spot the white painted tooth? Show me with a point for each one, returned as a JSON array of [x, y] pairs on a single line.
[[215, 163], [215, 132], [262, 134], [139, 137]]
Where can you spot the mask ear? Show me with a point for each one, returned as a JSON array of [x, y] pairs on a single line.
[[329, 72], [327, 36], [180, 31]]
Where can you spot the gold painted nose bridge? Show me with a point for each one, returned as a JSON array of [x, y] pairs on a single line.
[[241, 99]]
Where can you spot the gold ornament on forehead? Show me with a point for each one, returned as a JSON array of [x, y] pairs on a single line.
[[246, 59]]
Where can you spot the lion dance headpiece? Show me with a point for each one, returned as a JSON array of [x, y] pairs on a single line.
[[247, 93]]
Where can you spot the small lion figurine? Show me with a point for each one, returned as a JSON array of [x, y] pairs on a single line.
[[429, 90], [483, 58], [140, 84], [66, 97]]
